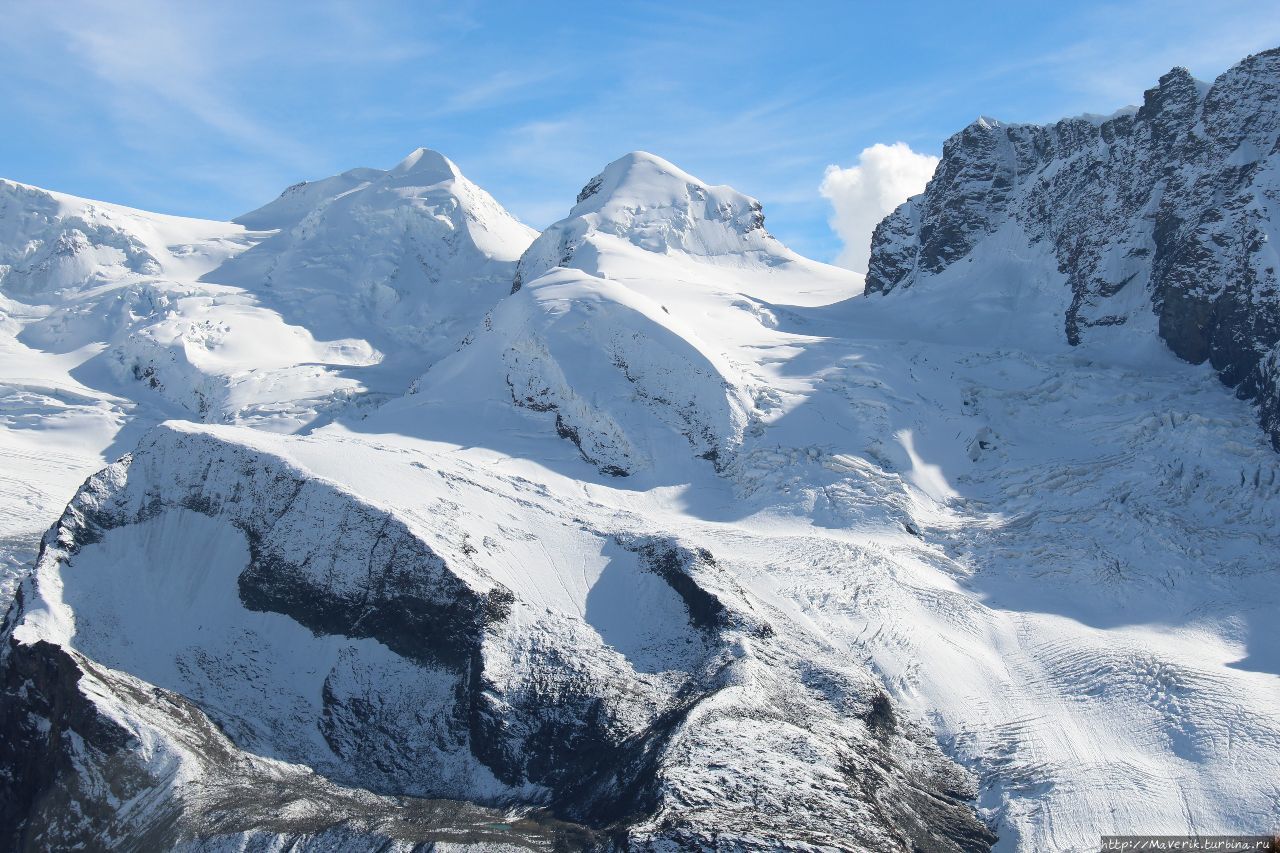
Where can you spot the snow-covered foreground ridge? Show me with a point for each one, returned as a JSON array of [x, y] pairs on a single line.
[[644, 532]]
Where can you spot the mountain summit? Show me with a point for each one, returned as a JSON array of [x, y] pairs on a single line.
[[654, 205], [626, 318], [426, 166], [408, 259]]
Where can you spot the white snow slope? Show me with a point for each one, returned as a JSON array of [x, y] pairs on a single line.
[[113, 319], [1059, 559], [1062, 557]]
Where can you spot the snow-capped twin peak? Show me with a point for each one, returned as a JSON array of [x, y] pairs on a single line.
[[643, 187], [649, 203]]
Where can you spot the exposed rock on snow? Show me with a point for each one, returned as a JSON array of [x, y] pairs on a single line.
[[901, 573], [341, 637], [1168, 208]]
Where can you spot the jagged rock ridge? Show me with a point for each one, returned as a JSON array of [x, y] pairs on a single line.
[[1170, 208]]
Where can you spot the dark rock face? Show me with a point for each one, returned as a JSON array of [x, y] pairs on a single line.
[[1175, 200], [76, 779], [50, 730], [63, 756]]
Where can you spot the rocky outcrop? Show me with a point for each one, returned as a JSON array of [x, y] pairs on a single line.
[[77, 776], [1174, 202]]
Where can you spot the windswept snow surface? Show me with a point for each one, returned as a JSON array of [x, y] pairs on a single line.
[[408, 259], [1060, 559]]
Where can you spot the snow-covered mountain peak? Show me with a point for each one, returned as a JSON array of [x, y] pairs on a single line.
[[428, 166], [636, 321], [413, 255], [642, 202], [638, 191], [337, 293], [637, 179], [679, 545], [423, 174]]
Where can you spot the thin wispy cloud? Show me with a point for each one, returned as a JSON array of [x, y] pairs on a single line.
[[158, 75], [503, 87], [219, 106]]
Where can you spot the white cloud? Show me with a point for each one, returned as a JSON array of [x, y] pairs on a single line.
[[886, 176]]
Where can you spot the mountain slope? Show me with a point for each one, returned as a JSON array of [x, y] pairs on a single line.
[[687, 546], [481, 608], [1170, 209], [634, 321], [352, 286], [413, 669], [408, 259], [113, 319], [75, 277]]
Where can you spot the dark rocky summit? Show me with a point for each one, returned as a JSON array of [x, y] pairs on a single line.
[[1177, 200]]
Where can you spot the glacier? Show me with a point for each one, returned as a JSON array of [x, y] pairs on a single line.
[[375, 520]]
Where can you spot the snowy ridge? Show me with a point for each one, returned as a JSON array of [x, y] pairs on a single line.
[[134, 322], [626, 383], [106, 327], [603, 327], [77, 277], [355, 284], [51, 243], [420, 675], [653, 205]]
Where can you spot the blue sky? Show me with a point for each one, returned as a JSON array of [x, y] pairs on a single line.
[[211, 109]]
